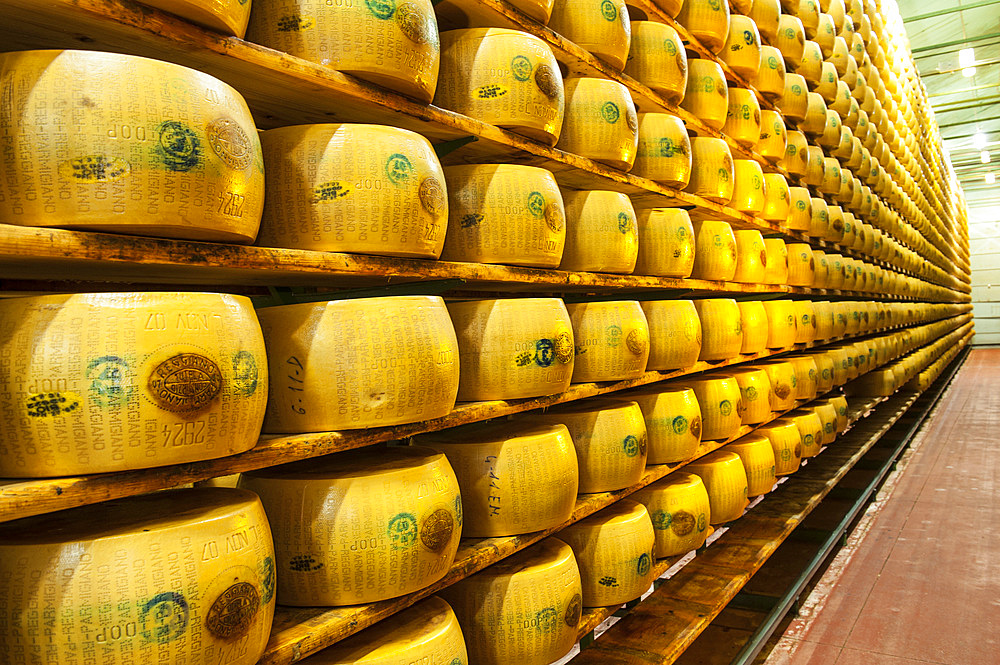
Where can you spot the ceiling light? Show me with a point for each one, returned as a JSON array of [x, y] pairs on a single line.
[[966, 57], [984, 156], [991, 178], [969, 72], [979, 140]]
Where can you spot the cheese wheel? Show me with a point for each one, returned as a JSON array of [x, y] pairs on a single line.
[[824, 372], [177, 576], [790, 39], [822, 274], [819, 217], [796, 153], [810, 431], [751, 259], [777, 261], [712, 170], [721, 329], [674, 334], [102, 382], [794, 102], [601, 28], [614, 550], [707, 21], [748, 190], [742, 48], [396, 47], [601, 232], [757, 456], [753, 321], [765, 15], [600, 121], [841, 361], [456, 12], [811, 64], [776, 198], [428, 632], [715, 251], [612, 340], [786, 444], [666, 243], [772, 142], [504, 213], [801, 265], [835, 230], [743, 120], [658, 60], [808, 11], [340, 520], [679, 510], [806, 376], [826, 33], [721, 405], [828, 417], [827, 86], [805, 322], [770, 77], [501, 468], [814, 122], [664, 153], [781, 373], [512, 348], [354, 364], [755, 392], [836, 10], [504, 77], [780, 323], [673, 422], [610, 441], [799, 209], [77, 151], [367, 189], [726, 482], [840, 403], [525, 609], [706, 95], [226, 16], [836, 278]]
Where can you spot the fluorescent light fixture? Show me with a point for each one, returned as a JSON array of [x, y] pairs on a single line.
[[969, 72], [966, 57], [991, 178], [984, 156], [979, 140]]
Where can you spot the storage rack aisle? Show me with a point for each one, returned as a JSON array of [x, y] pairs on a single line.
[[596, 229]]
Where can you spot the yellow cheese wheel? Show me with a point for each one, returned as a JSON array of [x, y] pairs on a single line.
[[178, 576], [777, 261], [835, 232], [811, 64], [796, 154], [772, 143], [840, 403], [394, 46], [826, 33], [770, 77], [781, 373], [614, 550], [824, 372], [674, 333], [786, 444], [828, 417], [827, 86], [822, 275], [427, 632], [601, 232], [742, 48], [706, 95], [805, 322], [664, 153], [666, 243], [707, 21], [721, 329], [504, 77], [128, 152], [600, 121], [368, 189], [524, 609], [721, 405], [836, 277], [806, 376], [513, 347], [794, 102], [765, 14], [743, 119], [229, 480], [715, 251], [801, 265], [799, 209], [612, 340], [781, 323], [726, 482], [755, 391], [753, 321], [601, 28], [679, 509], [819, 217], [456, 12], [340, 521], [504, 213], [353, 364], [712, 170], [814, 123], [751, 261], [658, 60], [748, 190], [514, 478], [757, 456], [810, 431], [610, 440], [101, 382], [776, 198], [673, 422], [790, 39], [841, 360], [226, 16]]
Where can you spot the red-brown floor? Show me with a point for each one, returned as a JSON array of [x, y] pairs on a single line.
[[919, 581]]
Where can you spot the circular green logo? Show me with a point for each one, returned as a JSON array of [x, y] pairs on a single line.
[[536, 204], [520, 67], [631, 445], [680, 424], [398, 169], [383, 9], [670, 46], [725, 407], [609, 111], [608, 10], [624, 222]]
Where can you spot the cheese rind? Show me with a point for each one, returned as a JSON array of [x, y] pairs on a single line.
[[666, 243], [664, 152], [786, 444], [612, 340], [352, 364], [758, 461], [600, 122], [679, 510], [721, 328], [602, 28], [721, 405], [726, 482], [226, 16], [102, 382], [602, 233], [674, 333], [341, 521], [673, 422], [755, 391], [657, 59]]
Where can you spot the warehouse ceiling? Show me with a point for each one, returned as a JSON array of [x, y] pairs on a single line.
[[964, 105]]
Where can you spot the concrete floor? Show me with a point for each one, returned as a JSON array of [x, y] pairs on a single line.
[[919, 580]]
